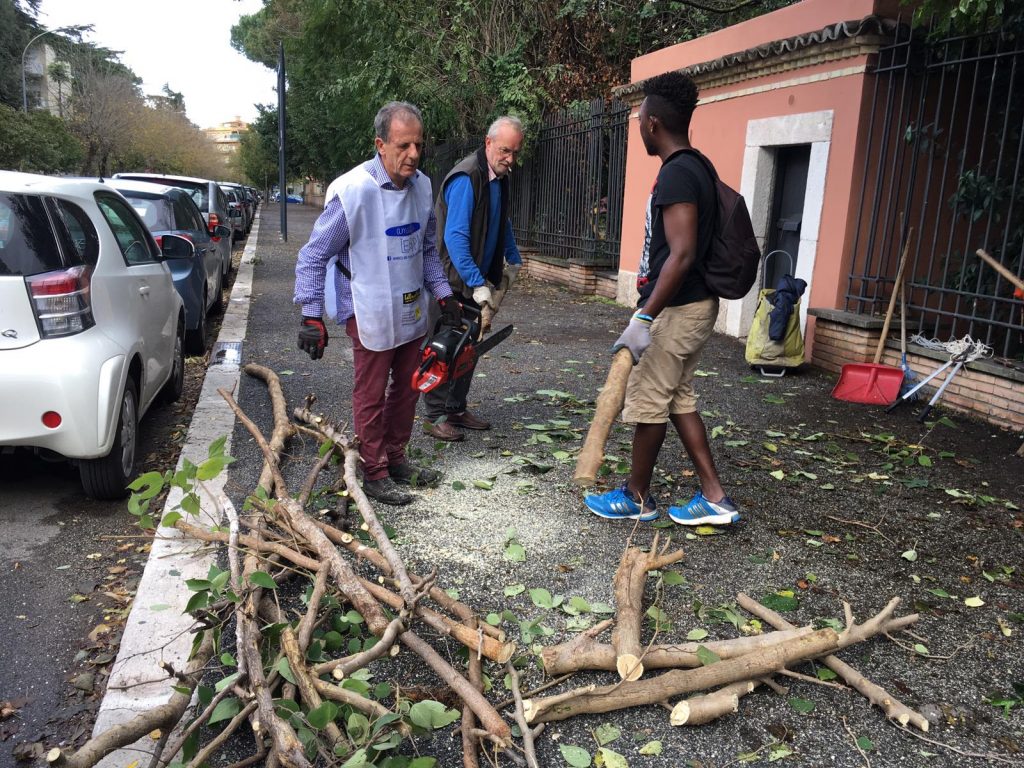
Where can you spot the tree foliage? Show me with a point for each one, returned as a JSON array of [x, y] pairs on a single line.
[[462, 62], [969, 16], [37, 142], [257, 155]]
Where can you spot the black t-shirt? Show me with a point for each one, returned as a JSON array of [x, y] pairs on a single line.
[[683, 178]]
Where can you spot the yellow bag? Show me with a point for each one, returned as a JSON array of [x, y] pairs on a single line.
[[761, 350]]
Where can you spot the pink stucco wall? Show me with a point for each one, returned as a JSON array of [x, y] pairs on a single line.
[[719, 128]]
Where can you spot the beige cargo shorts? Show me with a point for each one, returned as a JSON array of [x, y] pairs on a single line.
[[662, 382]]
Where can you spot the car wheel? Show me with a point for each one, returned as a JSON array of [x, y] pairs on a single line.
[[108, 477], [195, 340], [172, 389]]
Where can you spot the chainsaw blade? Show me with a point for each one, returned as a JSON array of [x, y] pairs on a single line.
[[493, 340]]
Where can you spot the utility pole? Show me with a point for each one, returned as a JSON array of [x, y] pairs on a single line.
[[282, 174]]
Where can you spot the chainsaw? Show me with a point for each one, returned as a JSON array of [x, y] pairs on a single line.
[[450, 352]]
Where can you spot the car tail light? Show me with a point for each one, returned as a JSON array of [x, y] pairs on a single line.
[[52, 419], [61, 301], [159, 241]]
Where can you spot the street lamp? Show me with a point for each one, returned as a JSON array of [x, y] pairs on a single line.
[[24, 91]]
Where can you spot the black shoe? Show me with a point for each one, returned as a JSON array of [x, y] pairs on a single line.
[[408, 473], [386, 492]]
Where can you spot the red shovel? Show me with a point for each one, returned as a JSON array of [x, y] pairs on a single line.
[[872, 383]]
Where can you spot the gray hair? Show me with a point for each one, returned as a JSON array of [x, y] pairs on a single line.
[[391, 110], [505, 120]]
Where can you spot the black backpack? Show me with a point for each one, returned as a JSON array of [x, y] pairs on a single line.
[[730, 266]]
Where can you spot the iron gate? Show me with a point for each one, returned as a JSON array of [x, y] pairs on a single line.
[[943, 171]]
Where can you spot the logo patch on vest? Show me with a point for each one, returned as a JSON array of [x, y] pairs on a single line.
[[410, 297], [408, 241]]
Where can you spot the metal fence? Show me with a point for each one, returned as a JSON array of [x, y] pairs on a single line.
[[944, 175], [568, 189]]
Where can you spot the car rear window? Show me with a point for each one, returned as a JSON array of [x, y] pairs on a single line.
[[29, 244], [155, 213], [199, 191]]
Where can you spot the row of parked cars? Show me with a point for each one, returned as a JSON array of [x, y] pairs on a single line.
[[105, 285]]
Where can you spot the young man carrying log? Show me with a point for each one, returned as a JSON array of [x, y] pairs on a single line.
[[675, 318]]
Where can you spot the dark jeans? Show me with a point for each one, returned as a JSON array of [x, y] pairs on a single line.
[[451, 396]]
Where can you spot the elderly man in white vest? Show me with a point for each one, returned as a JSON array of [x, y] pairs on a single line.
[[379, 232]]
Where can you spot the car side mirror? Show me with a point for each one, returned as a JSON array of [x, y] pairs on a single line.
[[177, 247], [221, 231]]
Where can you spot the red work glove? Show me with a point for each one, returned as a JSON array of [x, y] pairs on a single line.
[[313, 337]]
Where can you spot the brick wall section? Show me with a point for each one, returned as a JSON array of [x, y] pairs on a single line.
[[996, 399], [579, 278]]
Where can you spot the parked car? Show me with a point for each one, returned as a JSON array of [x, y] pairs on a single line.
[[92, 331], [198, 279], [236, 213], [243, 198], [211, 201]]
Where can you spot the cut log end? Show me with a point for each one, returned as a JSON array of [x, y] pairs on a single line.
[[703, 709], [508, 650], [585, 480], [529, 710], [629, 667]]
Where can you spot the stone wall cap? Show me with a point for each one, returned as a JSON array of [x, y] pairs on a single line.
[[876, 27]]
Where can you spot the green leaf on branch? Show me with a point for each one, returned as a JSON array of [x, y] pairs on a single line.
[[262, 579], [431, 715]]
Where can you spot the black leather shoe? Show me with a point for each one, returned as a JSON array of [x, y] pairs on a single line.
[[386, 492], [408, 473]]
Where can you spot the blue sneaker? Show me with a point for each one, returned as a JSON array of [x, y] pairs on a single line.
[[620, 504], [700, 511]]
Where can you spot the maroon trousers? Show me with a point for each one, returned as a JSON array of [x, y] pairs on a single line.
[[383, 402]]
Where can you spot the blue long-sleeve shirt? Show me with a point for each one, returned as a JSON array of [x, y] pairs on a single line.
[[330, 237], [459, 197]]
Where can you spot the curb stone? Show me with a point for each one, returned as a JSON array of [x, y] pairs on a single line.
[[157, 627]]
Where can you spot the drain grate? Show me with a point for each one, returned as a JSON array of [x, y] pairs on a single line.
[[226, 353]]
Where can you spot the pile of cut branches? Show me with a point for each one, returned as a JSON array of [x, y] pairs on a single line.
[[298, 685]]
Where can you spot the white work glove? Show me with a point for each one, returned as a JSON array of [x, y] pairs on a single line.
[[482, 295], [636, 338]]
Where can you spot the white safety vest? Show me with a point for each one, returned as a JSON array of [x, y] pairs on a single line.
[[386, 229]]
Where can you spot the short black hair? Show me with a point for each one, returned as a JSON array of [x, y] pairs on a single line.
[[672, 97]]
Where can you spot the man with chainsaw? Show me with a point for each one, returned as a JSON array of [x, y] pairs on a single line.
[[475, 241], [378, 227], [675, 318]]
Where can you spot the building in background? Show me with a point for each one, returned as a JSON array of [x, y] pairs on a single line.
[[47, 80], [228, 137]]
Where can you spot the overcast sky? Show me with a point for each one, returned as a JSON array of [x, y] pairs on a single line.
[[185, 43]]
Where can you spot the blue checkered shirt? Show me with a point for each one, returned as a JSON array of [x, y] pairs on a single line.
[[330, 237]]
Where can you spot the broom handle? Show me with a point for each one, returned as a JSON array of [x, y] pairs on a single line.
[[1000, 268], [892, 299]]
